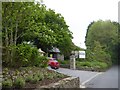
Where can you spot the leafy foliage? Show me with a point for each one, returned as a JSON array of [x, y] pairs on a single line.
[[31, 75], [29, 78], [7, 83], [35, 79], [92, 65], [25, 55], [64, 61], [32, 22], [102, 41], [41, 61], [19, 82]]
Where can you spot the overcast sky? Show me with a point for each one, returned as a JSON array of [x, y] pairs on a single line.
[[79, 14]]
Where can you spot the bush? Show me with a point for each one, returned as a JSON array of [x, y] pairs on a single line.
[[64, 61], [80, 59], [41, 61], [92, 64], [59, 75], [83, 64], [29, 78], [25, 55], [103, 65], [35, 79], [7, 83], [40, 76], [5, 71], [19, 82], [22, 55], [49, 75]]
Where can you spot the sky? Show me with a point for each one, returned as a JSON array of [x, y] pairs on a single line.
[[78, 14]]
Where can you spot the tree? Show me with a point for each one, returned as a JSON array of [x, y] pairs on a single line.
[[106, 33], [88, 29], [14, 21], [33, 22], [99, 53]]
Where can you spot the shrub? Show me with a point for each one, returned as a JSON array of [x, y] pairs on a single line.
[[59, 75], [92, 64], [80, 59], [7, 83], [5, 71], [49, 76], [19, 82], [29, 78], [103, 65], [40, 76], [41, 61], [83, 64], [35, 79], [64, 61], [24, 55], [27, 54]]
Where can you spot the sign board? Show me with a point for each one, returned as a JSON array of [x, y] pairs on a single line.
[[81, 54]]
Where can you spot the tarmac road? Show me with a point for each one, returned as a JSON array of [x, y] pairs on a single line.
[[84, 76], [89, 79], [108, 79]]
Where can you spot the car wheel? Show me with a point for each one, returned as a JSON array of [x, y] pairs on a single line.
[[53, 67], [57, 68]]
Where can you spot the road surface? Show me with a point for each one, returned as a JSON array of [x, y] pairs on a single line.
[[84, 76], [108, 79], [89, 79]]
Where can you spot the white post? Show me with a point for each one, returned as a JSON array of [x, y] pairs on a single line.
[[74, 66]]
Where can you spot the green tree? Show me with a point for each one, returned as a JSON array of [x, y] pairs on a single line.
[[106, 33], [13, 21], [33, 22], [99, 53]]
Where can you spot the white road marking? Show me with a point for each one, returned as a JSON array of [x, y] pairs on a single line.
[[83, 84]]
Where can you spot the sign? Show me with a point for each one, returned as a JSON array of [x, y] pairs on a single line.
[[81, 54]]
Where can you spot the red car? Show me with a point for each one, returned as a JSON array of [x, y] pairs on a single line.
[[53, 63]]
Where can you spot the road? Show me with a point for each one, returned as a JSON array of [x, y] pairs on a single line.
[[109, 79], [84, 76], [89, 79]]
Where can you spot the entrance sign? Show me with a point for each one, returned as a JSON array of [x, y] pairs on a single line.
[[81, 54]]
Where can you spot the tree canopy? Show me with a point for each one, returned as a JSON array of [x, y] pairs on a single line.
[[105, 33], [33, 22]]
